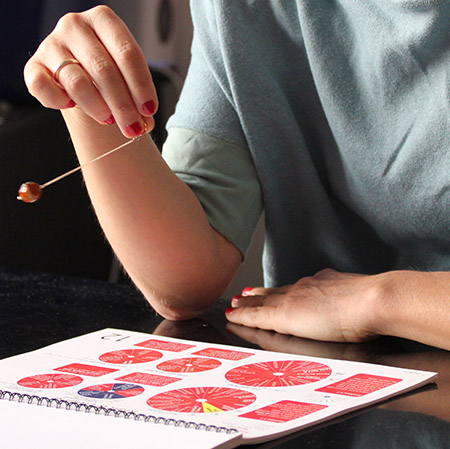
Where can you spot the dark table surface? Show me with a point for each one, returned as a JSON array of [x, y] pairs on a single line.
[[38, 309]]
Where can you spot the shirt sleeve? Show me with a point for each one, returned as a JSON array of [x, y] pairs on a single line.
[[223, 177], [207, 101], [206, 145]]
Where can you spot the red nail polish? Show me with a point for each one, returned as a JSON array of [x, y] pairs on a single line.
[[149, 107], [110, 121], [70, 104], [229, 310], [135, 129], [236, 297], [247, 290]]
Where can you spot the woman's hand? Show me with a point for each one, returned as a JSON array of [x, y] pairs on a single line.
[[335, 306], [111, 83], [329, 306]]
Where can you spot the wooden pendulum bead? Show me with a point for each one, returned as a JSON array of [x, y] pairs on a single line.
[[29, 192]]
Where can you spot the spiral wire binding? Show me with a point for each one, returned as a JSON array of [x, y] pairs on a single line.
[[117, 413]]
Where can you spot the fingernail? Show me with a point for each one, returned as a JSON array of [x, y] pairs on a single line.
[[110, 121], [247, 290], [70, 104], [149, 107], [228, 310], [235, 299], [135, 129]]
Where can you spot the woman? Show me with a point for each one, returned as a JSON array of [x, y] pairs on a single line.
[[333, 116]]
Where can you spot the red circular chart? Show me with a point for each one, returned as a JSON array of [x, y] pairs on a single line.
[[202, 400], [130, 356], [282, 373], [50, 381], [188, 365], [111, 391]]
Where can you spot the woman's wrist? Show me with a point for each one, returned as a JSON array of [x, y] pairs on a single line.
[[373, 307], [384, 303], [413, 305]]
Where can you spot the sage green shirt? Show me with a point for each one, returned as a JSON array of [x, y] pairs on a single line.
[[333, 116]]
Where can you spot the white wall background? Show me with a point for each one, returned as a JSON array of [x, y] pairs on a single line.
[[152, 20]]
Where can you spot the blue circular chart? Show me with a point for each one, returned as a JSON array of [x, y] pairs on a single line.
[[111, 391]]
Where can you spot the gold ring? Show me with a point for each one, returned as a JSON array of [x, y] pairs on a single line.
[[61, 65]]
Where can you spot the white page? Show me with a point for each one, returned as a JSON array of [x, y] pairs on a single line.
[[39, 427], [262, 394]]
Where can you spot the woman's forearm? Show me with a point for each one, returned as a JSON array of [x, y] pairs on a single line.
[[153, 221], [415, 305]]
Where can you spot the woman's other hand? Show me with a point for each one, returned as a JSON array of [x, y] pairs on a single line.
[[344, 307]]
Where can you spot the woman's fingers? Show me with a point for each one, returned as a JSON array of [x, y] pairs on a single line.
[[256, 296], [79, 86], [287, 316], [111, 83], [127, 54], [263, 291], [42, 86], [272, 299], [118, 68], [262, 317]]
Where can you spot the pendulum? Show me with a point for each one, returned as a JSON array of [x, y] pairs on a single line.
[[30, 192]]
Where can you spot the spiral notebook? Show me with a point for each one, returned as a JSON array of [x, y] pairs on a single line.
[[117, 388]]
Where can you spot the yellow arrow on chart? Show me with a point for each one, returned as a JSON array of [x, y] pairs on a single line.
[[208, 408]]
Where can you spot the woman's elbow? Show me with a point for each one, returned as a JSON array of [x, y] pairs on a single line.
[[184, 305]]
